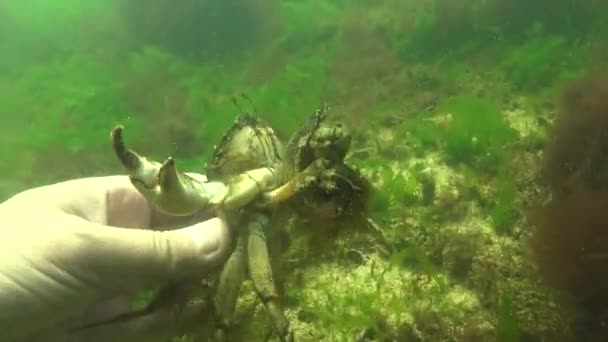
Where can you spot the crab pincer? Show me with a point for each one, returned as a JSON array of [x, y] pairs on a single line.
[[167, 188]]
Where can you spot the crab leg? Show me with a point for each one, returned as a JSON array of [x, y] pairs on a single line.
[[228, 287], [247, 186], [287, 190], [164, 185], [260, 272]]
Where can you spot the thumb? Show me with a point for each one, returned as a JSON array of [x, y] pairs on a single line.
[[137, 257]]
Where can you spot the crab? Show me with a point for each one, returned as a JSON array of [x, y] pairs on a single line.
[[251, 174]]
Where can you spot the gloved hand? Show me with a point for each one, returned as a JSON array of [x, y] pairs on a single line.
[[66, 258]]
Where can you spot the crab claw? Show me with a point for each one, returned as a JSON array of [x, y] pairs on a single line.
[[141, 171], [163, 185], [295, 184], [127, 157], [168, 176]]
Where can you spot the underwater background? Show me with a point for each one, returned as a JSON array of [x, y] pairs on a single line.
[[482, 124]]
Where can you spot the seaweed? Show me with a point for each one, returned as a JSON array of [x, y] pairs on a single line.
[[569, 248], [575, 154], [291, 96], [504, 211], [403, 188], [571, 229], [508, 329], [422, 134], [478, 135], [542, 61], [196, 30], [168, 72], [517, 17]]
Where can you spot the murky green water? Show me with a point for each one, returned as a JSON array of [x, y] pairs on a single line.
[[451, 106]]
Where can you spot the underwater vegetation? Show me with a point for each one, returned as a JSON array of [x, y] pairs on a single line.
[[569, 242], [435, 28], [477, 133], [470, 130], [575, 155], [197, 29], [540, 62], [569, 248], [451, 107]]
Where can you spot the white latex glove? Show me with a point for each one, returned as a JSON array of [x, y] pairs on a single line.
[[64, 249]]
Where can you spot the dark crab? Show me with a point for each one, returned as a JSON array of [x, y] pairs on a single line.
[[250, 175]]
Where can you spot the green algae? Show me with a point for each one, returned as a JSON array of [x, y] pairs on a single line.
[[438, 75]]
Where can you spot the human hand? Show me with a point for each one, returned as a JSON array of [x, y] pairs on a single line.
[[65, 251]]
